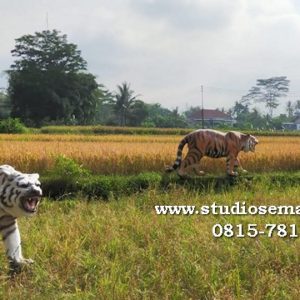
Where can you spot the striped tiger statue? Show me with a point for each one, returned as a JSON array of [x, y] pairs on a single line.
[[215, 144], [20, 195]]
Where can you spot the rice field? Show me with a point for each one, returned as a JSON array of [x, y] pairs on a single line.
[[89, 249], [132, 154]]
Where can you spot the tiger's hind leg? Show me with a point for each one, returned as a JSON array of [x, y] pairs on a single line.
[[190, 163], [196, 169]]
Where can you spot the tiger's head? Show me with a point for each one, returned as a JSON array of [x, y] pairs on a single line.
[[20, 193], [249, 142]]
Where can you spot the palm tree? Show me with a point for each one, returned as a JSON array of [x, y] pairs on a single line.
[[123, 101]]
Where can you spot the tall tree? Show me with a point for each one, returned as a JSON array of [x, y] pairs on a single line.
[[138, 113], [290, 109], [5, 105], [48, 80], [159, 116], [268, 91], [123, 102], [105, 113], [297, 107], [240, 110]]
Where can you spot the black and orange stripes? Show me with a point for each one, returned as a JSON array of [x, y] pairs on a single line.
[[214, 144]]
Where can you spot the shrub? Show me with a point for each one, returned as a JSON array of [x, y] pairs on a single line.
[[12, 125], [99, 186], [66, 167]]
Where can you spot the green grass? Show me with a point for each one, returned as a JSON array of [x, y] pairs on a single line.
[[120, 249]]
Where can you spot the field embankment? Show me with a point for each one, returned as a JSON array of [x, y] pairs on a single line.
[[104, 130], [114, 186]]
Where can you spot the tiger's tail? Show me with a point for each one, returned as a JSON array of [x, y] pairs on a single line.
[[178, 160]]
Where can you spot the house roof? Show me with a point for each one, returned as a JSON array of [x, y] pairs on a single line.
[[209, 114], [297, 121]]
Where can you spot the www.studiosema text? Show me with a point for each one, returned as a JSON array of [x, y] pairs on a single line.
[[238, 208]]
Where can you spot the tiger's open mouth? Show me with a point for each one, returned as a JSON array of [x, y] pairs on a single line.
[[30, 204]]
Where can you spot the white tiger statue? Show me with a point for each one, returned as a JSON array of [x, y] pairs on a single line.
[[20, 195]]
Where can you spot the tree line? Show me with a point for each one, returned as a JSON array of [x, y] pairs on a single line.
[[49, 83]]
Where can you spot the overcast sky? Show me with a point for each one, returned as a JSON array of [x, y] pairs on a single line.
[[167, 49]]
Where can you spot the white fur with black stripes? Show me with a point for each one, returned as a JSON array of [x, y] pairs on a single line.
[[19, 196]]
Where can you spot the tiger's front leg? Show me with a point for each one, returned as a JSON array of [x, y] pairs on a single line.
[[238, 164], [12, 241], [230, 165]]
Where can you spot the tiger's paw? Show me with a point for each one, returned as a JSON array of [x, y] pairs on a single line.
[[184, 176], [233, 174], [200, 173], [27, 261], [16, 266], [169, 169]]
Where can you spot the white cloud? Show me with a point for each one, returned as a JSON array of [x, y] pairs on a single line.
[[167, 49]]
